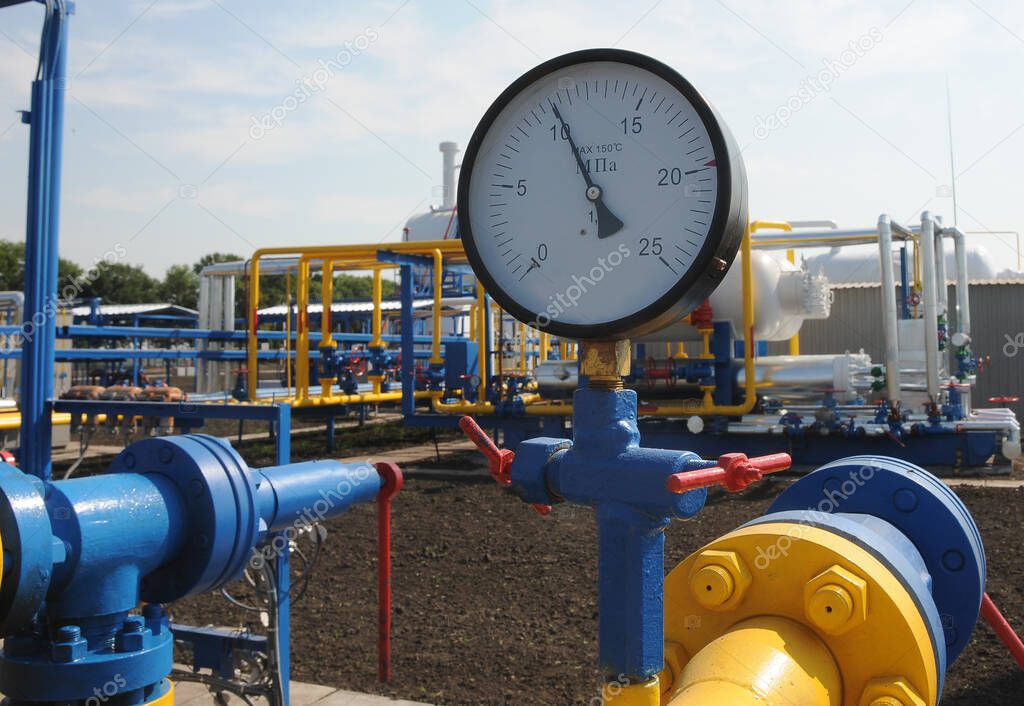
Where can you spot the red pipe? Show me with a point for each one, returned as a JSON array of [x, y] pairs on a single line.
[[392, 479], [1002, 629]]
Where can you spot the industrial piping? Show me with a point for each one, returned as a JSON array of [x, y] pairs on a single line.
[[889, 311], [195, 511]]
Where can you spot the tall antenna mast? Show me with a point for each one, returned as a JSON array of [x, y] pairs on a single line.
[[952, 164]]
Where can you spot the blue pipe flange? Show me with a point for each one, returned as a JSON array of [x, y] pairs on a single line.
[[925, 510], [893, 550], [28, 548], [219, 501], [34, 669]]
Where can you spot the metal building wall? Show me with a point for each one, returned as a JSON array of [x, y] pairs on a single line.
[[997, 312]]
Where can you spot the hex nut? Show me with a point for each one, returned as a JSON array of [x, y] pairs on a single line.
[[836, 600], [719, 579], [890, 691]]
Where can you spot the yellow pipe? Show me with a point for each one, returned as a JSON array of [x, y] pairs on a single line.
[[287, 331], [358, 398], [327, 290], [545, 344], [12, 420], [302, 332], [783, 664], [435, 351], [378, 295], [770, 225]]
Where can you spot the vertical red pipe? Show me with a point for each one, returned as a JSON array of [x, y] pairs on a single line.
[[391, 477], [1002, 629]]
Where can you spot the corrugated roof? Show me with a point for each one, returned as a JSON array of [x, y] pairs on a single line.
[[125, 309]]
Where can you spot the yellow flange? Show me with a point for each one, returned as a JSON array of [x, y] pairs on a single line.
[[815, 578], [166, 700]]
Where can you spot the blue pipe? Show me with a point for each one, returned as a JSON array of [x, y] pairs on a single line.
[[312, 491], [46, 118]]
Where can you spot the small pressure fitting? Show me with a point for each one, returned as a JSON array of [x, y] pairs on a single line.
[[836, 600], [719, 579], [676, 658], [890, 691]]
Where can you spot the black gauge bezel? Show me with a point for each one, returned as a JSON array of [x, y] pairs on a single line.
[[715, 256]]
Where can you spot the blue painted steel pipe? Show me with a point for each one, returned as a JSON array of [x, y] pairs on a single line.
[[171, 517], [46, 118]]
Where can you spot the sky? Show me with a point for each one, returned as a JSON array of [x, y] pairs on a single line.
[[195, 126]]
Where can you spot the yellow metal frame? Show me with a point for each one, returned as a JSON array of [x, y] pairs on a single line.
[[351, 257]]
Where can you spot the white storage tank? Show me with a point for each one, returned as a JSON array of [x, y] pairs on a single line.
[[784, 297]]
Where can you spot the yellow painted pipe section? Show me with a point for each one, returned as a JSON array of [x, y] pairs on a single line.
[[375, 322], [12, 420], [287, 330], [647, 693], [327, 290], [165, 700], [764, 661], [302, 334]]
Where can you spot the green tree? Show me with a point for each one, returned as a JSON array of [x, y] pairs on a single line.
[[121, 283], [12, 268], [181, 286]]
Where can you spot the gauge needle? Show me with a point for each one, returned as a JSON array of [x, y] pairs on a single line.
[[607, 222]]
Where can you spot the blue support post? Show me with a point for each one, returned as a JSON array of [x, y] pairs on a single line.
[[408, 363], [46, 119]]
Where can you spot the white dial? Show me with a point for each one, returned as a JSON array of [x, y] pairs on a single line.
[[600, 196]]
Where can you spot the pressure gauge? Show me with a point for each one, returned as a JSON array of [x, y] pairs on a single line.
[[601, 196]]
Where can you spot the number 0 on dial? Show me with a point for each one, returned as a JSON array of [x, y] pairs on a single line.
[[600, 196]]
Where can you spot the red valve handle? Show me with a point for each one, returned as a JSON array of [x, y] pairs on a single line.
[[499, 460], [734, 472]]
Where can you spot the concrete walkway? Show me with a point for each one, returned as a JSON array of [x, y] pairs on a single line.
[[302, 694]]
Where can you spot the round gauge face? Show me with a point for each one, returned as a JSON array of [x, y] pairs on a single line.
[[600, 196]]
